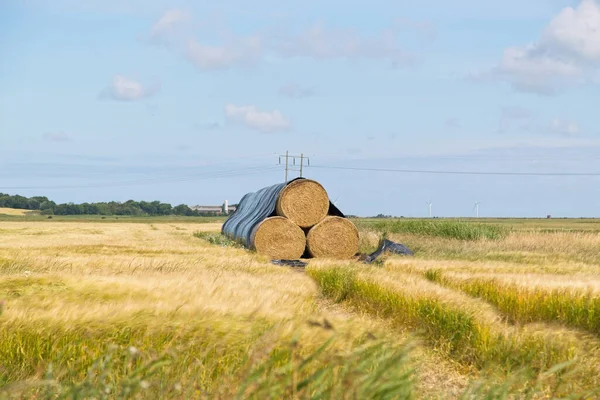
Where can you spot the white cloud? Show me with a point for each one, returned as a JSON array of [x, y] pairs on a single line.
[[236, 51], [57, 137], [577, 31], [295, 91], [123, 89], [263, 121], [320, 42], [563, 127], [529, 70], [169, 22], [317, 42], [568, 52]]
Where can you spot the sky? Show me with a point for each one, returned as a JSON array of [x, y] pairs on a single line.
[[193, 102]]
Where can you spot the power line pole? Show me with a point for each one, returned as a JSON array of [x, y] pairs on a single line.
[[302, 160], [286, 165]]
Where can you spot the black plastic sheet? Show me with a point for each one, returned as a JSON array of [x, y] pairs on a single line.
[[290, 263], [387, 246]]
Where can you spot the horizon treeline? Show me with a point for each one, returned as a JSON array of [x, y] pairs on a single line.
[[131, 207]]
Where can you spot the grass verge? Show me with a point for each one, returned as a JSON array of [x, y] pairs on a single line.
[[530, 304], [217, 239], [442, 228], [455, 329]]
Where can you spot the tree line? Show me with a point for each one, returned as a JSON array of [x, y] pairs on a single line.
[[130, 207]]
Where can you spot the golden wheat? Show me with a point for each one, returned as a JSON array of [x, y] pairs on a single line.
[[72, 288], [17, 212]]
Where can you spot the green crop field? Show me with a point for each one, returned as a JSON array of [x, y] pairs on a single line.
[[163, 307]]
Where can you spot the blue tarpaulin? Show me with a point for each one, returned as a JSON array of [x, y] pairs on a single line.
[[254, 208]]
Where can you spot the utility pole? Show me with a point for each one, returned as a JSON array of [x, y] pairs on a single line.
[[286, 164], [302, 160]]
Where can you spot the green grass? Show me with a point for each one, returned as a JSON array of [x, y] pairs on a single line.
[[75, 363], [454, 330], [452, 229], [541, 224], [524, 304], [206, 358], [217, 239]]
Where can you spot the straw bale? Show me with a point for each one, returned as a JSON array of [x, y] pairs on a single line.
[[279, 238], [305, 202], [333, 237]]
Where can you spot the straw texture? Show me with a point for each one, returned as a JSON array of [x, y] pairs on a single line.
[[279, 239], [304, 202], [333, 237], [260, 222]]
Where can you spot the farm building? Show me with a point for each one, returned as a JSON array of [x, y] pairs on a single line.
[[224, 208]]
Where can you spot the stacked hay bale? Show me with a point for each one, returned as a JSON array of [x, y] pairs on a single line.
[[292, 220], [333, 237], [278, 238], [305, 202]]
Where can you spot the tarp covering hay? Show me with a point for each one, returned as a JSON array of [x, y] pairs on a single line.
[[333, 237], [271, 219], [304, 202], [251, 211], [254, 207], [279, 238]]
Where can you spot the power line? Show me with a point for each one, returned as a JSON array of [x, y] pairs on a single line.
[[288, 157], [223, 162], [206, 175], [416, 171]]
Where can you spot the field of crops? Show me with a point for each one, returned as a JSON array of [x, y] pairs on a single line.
[[165, 308], [6, 212]]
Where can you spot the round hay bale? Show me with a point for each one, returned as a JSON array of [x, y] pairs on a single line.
[[305, 202], [334, 237], [279, 238]]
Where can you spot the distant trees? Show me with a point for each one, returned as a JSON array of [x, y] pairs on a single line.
[[182, 209], [130, 207], [382, 216], [20, 202]]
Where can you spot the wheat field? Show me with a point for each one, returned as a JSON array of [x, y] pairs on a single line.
[[17, 212], [167, 309]]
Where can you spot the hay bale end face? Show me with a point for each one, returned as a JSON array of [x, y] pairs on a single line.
[[279, 238], [304, 202], [274, 219], [333, 237]]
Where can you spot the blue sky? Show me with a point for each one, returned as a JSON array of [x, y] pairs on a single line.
[[191, 102]]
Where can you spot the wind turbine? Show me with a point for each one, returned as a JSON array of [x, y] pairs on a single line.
[[429, 203], [335, 201], [476, 208]]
